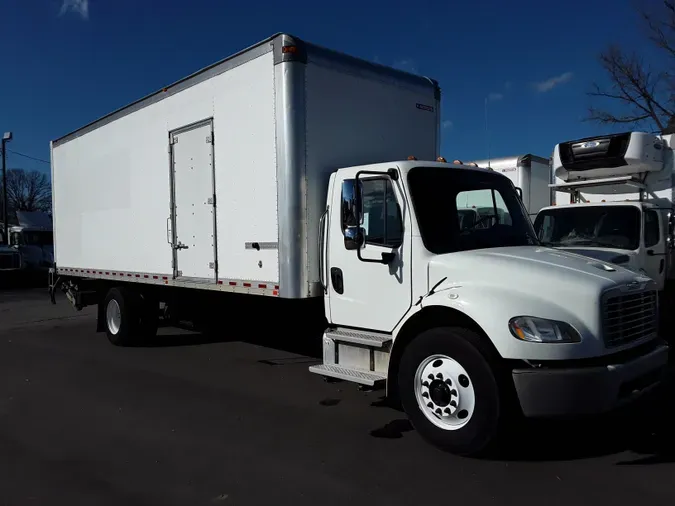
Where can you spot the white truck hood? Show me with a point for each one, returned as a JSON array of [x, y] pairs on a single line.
[[493, 285]]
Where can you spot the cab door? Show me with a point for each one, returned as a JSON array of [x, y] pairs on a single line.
[[655, 247], [368, 254]]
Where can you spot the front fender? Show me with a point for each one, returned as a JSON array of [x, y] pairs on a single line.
[[492, 306]]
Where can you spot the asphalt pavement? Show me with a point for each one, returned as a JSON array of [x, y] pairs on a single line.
[[186, 420]]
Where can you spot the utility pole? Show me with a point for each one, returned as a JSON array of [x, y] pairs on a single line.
[[5, 218]]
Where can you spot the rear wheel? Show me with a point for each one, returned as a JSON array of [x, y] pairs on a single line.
[[121, 314], [449, 391]]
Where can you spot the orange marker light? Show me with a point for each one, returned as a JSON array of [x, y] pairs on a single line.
[[289, 49], [458, 162], [411, 157], [441, 159]]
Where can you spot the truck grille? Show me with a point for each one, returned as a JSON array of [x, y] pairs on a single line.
[[629, 318], [11, 261]]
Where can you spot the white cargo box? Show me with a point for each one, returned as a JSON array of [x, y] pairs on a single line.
[[219, 180], [530, 173]]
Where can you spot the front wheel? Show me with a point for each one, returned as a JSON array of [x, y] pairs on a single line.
[[449, 390]]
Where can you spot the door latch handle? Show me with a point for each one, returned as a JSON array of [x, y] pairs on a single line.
[[180, 245]]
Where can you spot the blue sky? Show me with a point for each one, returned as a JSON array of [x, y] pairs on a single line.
[[67, 63]]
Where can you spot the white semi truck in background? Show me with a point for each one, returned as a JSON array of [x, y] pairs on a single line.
[[620, 189], [283, 175]]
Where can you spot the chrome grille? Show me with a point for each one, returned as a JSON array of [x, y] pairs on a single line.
[[630, 317]]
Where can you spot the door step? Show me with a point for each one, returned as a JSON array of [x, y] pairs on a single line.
[[368, 378], [370, 339]]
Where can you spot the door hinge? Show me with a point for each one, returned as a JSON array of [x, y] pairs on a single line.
[[174, 140], [179, 274], [212, 265], [209, 139], [211, 200]]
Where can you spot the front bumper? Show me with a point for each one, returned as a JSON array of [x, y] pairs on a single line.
[[562, 392]]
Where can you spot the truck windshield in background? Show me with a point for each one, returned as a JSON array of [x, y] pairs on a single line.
[[600, 226], [460, 210], [34, 238]]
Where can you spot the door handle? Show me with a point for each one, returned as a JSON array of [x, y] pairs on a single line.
[[180, 245], [650, 252], [337, 280]]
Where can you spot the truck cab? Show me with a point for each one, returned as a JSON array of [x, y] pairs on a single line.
[[10, 258], [620, 208], [33, 238], [436, 284]]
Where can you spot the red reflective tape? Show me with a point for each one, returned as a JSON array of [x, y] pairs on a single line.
[[138, 275], [129, 275], [107, 274], [220, 282], [155, 277], [262, 285], [164, 278], [233, 283], [247, 285]]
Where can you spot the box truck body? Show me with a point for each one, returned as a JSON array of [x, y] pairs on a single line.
[[131, 199], [530, 173]]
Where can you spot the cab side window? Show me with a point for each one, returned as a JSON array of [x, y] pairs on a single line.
[[382, 219], [651, 227]]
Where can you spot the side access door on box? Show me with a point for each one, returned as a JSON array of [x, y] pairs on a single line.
[[193, 203]]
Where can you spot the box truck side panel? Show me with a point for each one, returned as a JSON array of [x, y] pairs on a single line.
[[359, 116], [246, 184], [540, 193], [114, 184], [111, 196]]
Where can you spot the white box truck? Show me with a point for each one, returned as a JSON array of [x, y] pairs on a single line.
[[620, 189], [531, 174], [282, 174]]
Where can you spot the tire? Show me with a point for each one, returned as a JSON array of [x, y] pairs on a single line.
[[121, 316], [470, 425]]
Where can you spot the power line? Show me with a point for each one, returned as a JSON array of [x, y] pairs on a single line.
[[28, 156]]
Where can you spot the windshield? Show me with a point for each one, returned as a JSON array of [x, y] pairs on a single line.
[[36, 238], [600, 226], [459, 210]]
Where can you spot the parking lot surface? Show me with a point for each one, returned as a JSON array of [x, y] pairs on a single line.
[[187, 420]]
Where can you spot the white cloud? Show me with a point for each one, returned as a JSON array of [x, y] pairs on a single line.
[[406, 65], [80, 7], [447, 124], [493, 97], [549, 84]]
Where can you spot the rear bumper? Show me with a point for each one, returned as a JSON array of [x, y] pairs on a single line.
[[548, 393]]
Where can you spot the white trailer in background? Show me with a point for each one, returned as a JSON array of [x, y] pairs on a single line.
[[530, 173], [276, 175]]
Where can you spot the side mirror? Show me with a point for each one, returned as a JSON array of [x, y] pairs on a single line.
[[354, 238]]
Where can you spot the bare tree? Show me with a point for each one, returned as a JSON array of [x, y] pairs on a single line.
[[28, 191], [644, 94]]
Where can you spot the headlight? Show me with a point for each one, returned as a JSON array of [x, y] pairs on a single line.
[[541, 330]]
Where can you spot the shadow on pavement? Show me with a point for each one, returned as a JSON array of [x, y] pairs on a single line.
[[645, 429]]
